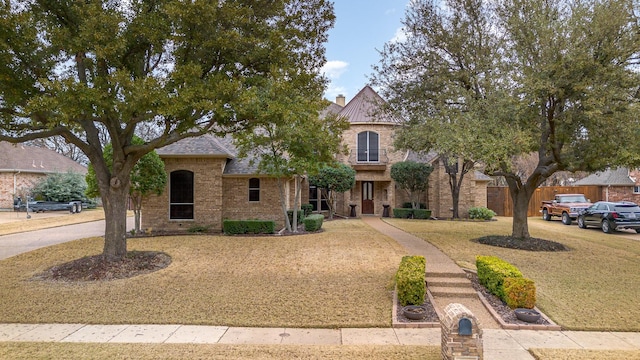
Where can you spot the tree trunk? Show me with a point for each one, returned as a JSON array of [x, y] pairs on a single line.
[[283, 204], [520, 208], [455, 198], [115, 211], [136, 199], [296, 202]]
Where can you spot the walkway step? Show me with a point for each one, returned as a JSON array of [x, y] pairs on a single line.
[[455, 282], [447, 274], [447, 291]]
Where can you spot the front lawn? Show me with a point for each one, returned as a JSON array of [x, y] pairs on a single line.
[[594, 286], [341, 277]]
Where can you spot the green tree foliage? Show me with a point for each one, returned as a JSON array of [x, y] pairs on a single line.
[[332, 180], [95, 72], [492, 81], [148, 177], [63, 187], [289, 146], [412, 177]]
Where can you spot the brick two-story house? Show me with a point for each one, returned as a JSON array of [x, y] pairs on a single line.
[[208, 183]]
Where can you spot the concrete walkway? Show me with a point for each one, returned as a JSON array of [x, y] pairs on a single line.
[[499, 344]]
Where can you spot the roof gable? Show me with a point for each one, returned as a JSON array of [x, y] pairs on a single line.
[[362, 108]]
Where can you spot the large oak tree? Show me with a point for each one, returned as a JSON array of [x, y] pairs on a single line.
[[99, 71], [491, 81]]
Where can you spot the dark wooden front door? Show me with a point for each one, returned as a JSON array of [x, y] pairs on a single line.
[[367, 197]]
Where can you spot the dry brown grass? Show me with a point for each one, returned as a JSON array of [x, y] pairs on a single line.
[[341, 277], [11, 223], [592, 287], [224, 352], [575, 354]]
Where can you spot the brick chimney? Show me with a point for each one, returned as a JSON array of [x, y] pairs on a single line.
[[340, 100]]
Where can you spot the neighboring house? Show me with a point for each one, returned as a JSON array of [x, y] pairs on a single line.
[[621, 184], [21, 166], [208, 183]]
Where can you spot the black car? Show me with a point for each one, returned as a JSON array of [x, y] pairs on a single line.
[[611, 216]]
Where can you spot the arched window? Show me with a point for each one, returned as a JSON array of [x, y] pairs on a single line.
[[181, 198], [254, 189], [368, 147]]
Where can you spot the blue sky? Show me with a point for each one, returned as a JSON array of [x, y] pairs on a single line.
[[361, 27]]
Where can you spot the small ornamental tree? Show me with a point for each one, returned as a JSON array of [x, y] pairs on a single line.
[[332, 180], [148, 177], [413, 178]]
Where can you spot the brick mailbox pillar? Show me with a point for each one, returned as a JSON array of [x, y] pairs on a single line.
[[461, 334]]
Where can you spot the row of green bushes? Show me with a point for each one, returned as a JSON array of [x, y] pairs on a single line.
[[403, 213], [505, 281], [235, 227], [410, 280]]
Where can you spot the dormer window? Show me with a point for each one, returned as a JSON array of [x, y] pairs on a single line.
[[368, 147]]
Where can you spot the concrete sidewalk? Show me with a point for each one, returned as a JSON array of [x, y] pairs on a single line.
[[498, 344]]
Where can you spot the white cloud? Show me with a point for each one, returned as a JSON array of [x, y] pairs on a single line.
[[334, 69], [334, 90], [399, 36]]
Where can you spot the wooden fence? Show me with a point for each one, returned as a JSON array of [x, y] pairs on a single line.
[[499, 200]]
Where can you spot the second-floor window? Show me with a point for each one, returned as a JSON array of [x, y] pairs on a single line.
[[368, 147]]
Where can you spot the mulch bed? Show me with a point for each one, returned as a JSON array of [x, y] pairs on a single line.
[[431, 315], [529, 244], [98, 268]]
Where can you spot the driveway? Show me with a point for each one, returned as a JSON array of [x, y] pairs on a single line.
[[14, 244]]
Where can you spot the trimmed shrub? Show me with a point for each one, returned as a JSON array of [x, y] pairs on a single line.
[[313, 222], [408, 205], [234, 227], [300, 216], [519, 293], [410, 280], [307, 208], [481, 213], [198, 229], [492, 271], [421, 214], [402, 213]]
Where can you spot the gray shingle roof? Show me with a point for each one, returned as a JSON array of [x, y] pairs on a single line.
[[33, 159], [421, 158], [213, 147], [616, 177], [200, 146]]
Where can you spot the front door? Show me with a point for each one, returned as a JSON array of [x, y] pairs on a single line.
[[367, 197]]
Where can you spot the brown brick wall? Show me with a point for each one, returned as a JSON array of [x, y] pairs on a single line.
[[619, 193], [207, 196], [23, 182], [236, 204], [473, 193], [218, 197]]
